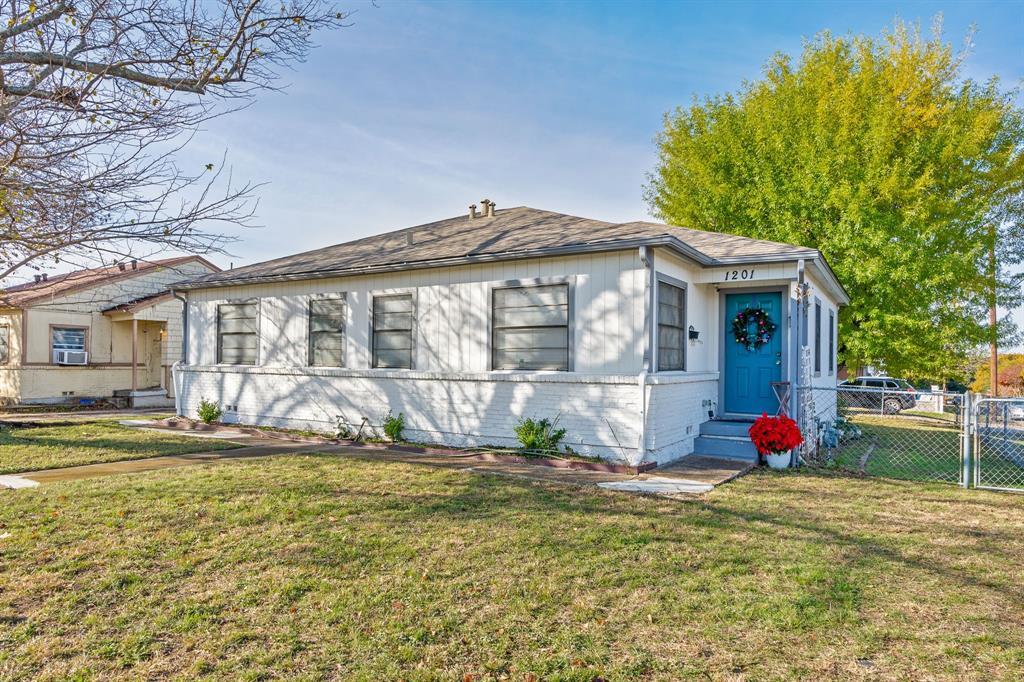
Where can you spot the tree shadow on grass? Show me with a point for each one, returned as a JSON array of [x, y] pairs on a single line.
[[480, 497]]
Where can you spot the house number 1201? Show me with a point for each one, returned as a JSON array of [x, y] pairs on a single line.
[[739, 274]]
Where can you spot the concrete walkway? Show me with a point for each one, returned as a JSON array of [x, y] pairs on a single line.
[[689, 476], [30, 479], [78, 415]]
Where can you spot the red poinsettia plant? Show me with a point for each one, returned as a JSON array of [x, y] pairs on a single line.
[[773, 435]]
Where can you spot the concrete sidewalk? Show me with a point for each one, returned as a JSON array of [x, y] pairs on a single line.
[[76, 416], [689, 476], [31, 479]]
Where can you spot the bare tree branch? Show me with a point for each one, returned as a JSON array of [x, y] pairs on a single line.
[[97, 97]]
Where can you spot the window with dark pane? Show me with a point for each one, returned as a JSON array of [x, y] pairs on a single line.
[[530, 327], [392, 331], [327, 332], [831, 341], [671, 327], [5, 344], [817, 336], [238, 333]]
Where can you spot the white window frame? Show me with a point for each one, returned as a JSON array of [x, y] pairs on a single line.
[[310, 359], [76, 349], [257, 333], [570, 284], [394, 293]]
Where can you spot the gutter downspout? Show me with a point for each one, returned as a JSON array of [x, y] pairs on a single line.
[[647, 258], [801, 303], [176, 367]]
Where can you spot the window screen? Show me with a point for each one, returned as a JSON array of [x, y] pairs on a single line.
[[68, 338], [817, 336], [238, 333], [530, 327], [671, 327], [327, 332], [5, 344], [392, 331]]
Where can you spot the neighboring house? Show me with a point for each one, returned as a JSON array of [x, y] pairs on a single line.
[[465, 325], [93, 333]]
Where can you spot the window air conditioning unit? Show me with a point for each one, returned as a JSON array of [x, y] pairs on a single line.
[[70, 357]]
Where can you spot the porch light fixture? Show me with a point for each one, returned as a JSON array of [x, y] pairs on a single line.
[[694, 334]]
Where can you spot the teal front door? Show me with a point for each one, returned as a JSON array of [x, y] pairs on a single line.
[[749, 372]]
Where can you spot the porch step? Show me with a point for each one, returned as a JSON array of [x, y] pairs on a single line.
[[725, 446], [716, 427], [721, 438], [146, 397]]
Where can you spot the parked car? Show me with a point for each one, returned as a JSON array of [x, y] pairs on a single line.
[[887, 394], [1017, 411]]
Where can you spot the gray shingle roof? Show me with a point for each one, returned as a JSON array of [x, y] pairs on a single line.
[[59, 285], [510, 233]]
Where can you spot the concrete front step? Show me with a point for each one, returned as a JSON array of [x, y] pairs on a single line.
[[717, 427], [725, 446], [722, 438]]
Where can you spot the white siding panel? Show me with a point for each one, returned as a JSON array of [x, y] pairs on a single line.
[[453, 313]]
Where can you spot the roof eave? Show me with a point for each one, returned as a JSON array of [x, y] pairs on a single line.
[[667, 241], [594, 247], [30, 300], [825, 270]]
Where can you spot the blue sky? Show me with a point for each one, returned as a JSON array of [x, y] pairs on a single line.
[[419, 109]]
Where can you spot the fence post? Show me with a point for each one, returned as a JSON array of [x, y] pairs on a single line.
[[965, 464]]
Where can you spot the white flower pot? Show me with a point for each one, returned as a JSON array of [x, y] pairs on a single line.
[[778, 460]]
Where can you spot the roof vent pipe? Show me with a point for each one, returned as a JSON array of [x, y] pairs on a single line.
[[490, 209], [486, 203], [472, 212], [37, 278], [135, 264], [44, 276], [120, 266]]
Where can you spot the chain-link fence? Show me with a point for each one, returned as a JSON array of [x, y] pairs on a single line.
[[998, 443], [889, 432]]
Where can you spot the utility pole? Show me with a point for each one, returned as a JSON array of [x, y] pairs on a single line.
[[993, 318]]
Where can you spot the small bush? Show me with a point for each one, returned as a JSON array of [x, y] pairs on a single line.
[[393, 426], [209, 411], [539, 434]]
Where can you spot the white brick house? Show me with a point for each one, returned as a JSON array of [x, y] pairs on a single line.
[[465, 325]]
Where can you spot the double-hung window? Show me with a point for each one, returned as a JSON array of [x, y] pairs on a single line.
[[817, 336], [238, 333], [327, 332], [5, 344], [530, 327], [671, 327], [393, 317]]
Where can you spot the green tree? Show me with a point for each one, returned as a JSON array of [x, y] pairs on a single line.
[[1010, 375], [878, 152]]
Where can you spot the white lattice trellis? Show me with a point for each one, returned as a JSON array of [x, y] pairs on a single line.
[[805, 405]]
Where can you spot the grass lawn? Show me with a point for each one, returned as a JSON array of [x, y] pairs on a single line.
[[31, 449], [318, 567], [903, 447]]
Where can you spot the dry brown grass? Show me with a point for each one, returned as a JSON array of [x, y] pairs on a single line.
[[316, 567]]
